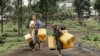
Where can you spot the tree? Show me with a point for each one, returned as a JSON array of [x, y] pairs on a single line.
[[14, 10], [80, 7], [45, 8], [19, 17], [68, 11], [97, 7], [29, 11], [4, 6]]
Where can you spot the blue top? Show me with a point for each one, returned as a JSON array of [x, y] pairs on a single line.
[[38, 24]]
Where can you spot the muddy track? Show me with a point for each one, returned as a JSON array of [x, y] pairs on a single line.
[[46, 52], [77, 50]]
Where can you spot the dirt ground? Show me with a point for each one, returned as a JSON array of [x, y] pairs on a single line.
[[75, 51], [26, 51]]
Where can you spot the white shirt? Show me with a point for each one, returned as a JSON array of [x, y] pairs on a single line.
[[31, 23]]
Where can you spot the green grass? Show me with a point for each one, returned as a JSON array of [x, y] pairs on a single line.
[[49, 32], [11, 29], [73, 26], [93, 24], [93, 38], [11, 43]]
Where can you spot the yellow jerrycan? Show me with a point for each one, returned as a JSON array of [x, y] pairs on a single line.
[[68, 45], [66, 38], [42, 34], [64, 31], [28, 38], [51, 43]]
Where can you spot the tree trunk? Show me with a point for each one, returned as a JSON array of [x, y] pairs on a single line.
[[89, 12], [29, 11], [99, 19], [19, 18], [80, 16], [95, 16], [29, 5], [1, 20], [1, 11], [46, 12]]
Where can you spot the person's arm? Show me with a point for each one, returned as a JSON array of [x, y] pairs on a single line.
[[59, 29], [41, 24], [31, 26]]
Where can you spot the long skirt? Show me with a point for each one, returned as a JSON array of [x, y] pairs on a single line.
[[58, 42], [35, 39]]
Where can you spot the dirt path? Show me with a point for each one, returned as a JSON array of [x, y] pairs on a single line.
[[46, 52], [75, 51]]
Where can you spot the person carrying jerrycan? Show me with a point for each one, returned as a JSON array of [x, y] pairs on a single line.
[[35, 24], [57, 31]]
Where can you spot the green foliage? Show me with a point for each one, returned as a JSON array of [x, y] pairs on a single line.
[[11, 30], [15, 30], [97, 5], [5, 6], [11, 44], [97, 28], [65, 12], [9, 34], [73, 26], [49, 32], [46, 6], [93, 24], [92, 37], [81, 6]]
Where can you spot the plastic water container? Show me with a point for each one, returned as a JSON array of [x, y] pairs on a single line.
[[68, 45], [42, 34], [64, 31], [51, 43], [66, 38], [28, 37]]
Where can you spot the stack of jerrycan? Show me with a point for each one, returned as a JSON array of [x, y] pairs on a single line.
[[28, 38], [51, 43], [42, 34], [67, 39]]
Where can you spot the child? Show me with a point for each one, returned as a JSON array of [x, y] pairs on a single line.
[[57, 33]]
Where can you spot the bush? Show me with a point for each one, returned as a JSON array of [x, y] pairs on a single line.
[[15, 30], [92, 37], [5, 35], [97, 28], [93, 24], [8, 34], [73, 26]]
